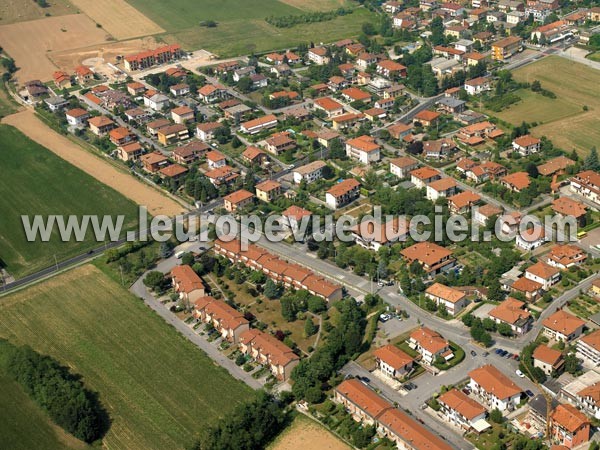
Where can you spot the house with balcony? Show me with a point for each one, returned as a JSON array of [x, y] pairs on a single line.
[[494, 388]]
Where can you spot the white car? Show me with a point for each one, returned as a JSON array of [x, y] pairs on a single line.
[[520, 374]]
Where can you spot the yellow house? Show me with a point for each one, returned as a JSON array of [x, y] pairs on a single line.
[[268, 190], [505, 48], [596, 287]]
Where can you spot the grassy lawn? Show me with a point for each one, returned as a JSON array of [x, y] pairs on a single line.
[[35, 181], [594, 56], [563, 119], [7, 104], [158, 388], [241, 26]]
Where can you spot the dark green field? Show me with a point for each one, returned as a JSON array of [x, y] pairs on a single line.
[[241, 26], [158, 388], [35, 181]]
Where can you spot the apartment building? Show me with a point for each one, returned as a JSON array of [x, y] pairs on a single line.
[[342, 193], [494, 388], [269, 351]]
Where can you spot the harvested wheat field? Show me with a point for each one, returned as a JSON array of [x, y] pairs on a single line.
[[156, 202], [12, 11], [306, 433], [28, 43], [119, 18]]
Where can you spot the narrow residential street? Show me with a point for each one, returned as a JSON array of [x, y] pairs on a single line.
[[212, 351]]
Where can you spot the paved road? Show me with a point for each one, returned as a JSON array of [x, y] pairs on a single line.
[[139, 290]]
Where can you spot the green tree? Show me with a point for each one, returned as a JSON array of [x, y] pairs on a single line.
[[571, 363], [155, 280], [271, 290], [309, 327], [496, 415], [591, 161]]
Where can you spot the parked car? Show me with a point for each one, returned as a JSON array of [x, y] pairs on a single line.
[[466, 391], [384, 317], [529, 393], [498, 351], [473, 353], [519, 373]]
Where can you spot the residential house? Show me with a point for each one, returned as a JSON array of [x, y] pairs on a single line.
[[83, 75], [588, 399], [155, 125], [403, 166], [238, 200], [393, 362], [136, 88], [587, 184], [426, 118], [215, 159], [486, 212], [294, 215], [210, 93], [362, 403], [516, 182], [172, 134], [130, 152], [77, 117], [423, 176], [438, 149], [279, 143], [588, 349], [174, 172], [562, 326], [207, 131], [494, 388], [461, 410], [372, 235], [227, 321], [182, 114], [430, 345], [310, 172], [222, 176], [346, 121], [254, 155], [476, 86], [179, 89], [257, 125], [549, 360], [190, 153], [391, 69], [556, 166], [364, 149], [444, 187], [511, 312], [342, 193], [55, 103], [544, 274], [156, 101], [137, 115], [153, 162], [569, 426], [268, 190], [100, 125], [431, 256], [462, 202], [453, 300], [506, 47], [564, 256], [121, 136], [526, 145], [400, 130], [187, 283], [269, 351], [329, 106], [319, 55]]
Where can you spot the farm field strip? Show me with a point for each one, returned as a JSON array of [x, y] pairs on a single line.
[[158, 388]]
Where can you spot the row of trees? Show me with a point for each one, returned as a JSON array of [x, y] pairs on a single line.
[[298, 19], [56, 390], [250, 426]]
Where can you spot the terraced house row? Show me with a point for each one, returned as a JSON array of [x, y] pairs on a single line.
[[280, 271]]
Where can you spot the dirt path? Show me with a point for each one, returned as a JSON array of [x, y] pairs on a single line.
[[156, 202]]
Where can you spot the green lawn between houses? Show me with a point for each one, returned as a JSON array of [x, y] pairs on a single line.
[[36, 181], [158, 388], [241, 26]]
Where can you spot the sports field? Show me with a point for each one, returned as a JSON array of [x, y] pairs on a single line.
[[241, 26], [305, 433], [35, 181], [563, 119], [158, 388]]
